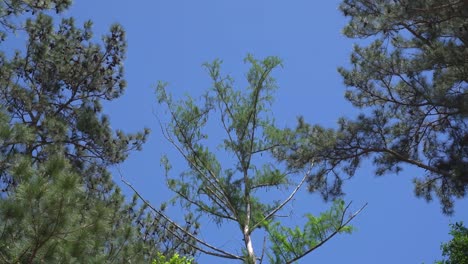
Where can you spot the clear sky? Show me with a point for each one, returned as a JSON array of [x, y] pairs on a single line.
[[169, 40]]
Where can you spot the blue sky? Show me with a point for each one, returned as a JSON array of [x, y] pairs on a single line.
[[169, 40]]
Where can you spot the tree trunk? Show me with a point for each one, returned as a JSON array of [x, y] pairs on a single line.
[[251, 259]]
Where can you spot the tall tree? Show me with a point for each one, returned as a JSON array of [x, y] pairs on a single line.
[[50, 98], [410, 83], [236, 192], [56, 89]]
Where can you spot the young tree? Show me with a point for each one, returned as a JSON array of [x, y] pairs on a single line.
[[235, 192], [411, 84], [50, 98]]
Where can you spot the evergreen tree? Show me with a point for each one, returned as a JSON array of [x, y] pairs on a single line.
[[410, 83], [235, 192], [49, 217], [56, 88], [58, 201]]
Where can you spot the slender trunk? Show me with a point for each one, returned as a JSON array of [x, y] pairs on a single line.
[[248, 212], [248, 245]]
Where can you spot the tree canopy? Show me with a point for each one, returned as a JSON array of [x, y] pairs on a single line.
[[410, 83], [58, 201]]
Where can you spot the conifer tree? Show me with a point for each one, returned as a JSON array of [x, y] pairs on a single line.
[[236, 191], [58, 202], [411, 85]]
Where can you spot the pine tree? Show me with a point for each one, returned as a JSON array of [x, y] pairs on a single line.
[[235, 192], [410, 83], [58, 202]]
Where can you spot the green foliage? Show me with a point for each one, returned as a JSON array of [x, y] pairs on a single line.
[[410, 83], [289, 244], [48, 215], [47, 219], [175, 259], [233, 192], [58, 202], [55, 89], [456, 250]]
